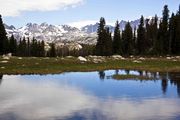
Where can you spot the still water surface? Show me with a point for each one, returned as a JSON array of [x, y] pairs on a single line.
[[90, 96]]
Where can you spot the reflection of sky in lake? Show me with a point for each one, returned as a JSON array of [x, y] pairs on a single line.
[[76, 96]]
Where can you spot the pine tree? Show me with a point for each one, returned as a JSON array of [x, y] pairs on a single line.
[[33, 47], [177, 33], [38, 53], [12, 45], [52, 50], [117, 47], [128, 40], [42, 54], [172, 36], [104, 41], [148, 38], [154, 34], [159, 43], [108, 43], [134, 41], [101, 33], [178, 12], [165, 35], [141, 45], [4, 45], [28, 48], [20, 48], [24, 47]]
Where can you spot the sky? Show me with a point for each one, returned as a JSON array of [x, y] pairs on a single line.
[[80, 12]]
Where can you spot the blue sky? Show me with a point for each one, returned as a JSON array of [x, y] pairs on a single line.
[[81, 11]]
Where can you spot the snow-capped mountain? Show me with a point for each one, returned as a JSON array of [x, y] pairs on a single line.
[[61, 33], [90, 28], [52, 33], [93, 28]]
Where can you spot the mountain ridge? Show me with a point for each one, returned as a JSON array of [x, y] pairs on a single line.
[[61, 33]]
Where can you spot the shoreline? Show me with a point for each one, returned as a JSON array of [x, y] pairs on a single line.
[[39, 65]]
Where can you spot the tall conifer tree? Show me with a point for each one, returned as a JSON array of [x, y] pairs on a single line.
[[172, 35], [52, 50], [108, 43], [165, 35], [154, 34], [159, 43], [117, 46], [100, 41], [128, 40], [12, 45], [177, 32], [134, 40], [148, 39], [42, 48], [141, 37], [104, 41], [4, 45]]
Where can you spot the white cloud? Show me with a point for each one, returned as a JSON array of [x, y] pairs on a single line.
[[15, 7]]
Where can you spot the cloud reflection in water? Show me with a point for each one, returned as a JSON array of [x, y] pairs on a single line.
[[46, 100]]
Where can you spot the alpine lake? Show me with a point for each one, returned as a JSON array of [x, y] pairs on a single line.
[[91, 96]]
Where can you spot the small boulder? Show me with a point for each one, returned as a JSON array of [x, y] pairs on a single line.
[[69, 57], [97, 61], [122, 58], [177, 57], [4, 61], [6, 58], [118, 57], [136, 61], [2, 67], [169, 58], [82, 59], [141, 58], [9, 55]]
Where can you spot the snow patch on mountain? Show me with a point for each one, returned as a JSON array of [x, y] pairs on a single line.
[[52, 33], [84, 32]]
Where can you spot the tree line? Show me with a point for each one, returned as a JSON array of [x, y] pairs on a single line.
[[156, 36], [152, 37], [24, 47]]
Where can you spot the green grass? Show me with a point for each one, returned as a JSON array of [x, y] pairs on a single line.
[[31, 65], [128, 77]]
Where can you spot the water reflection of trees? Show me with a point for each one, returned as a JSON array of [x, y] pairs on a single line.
[[116, 72], [127, 72], [164, 85], [164, 82], [173, 78], [101, 75]]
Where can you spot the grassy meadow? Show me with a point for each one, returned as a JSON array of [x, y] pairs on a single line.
[[38, 65]]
